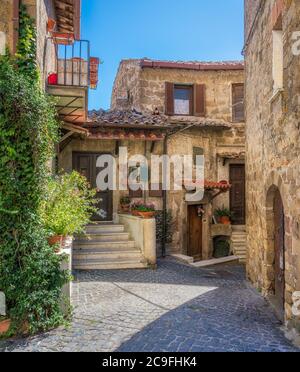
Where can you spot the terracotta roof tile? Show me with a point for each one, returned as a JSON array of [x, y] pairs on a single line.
[[193, 65]]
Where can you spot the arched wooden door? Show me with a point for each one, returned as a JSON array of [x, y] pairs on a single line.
[[279, 244]]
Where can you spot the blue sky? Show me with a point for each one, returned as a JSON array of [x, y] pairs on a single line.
[[204, 30]]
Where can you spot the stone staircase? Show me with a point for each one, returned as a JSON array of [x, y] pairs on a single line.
[[106, 246], [239, 242]]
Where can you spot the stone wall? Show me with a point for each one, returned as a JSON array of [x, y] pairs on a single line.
[[273, 146], [41, 11], [6, 16], [145, 91]]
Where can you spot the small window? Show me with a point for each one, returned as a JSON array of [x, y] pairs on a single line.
[[183, 100], [197, 151], [238, 105], [277, 60]]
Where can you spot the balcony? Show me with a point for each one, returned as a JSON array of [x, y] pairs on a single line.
[[75, 73]]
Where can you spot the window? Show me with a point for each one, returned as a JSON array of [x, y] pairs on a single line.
[[2, 43], [238, 106], [197, 151], [277, 60], [183, 100]]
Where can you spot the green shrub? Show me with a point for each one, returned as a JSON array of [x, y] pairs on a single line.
[[159, 227], [30, 273], [68, 205]]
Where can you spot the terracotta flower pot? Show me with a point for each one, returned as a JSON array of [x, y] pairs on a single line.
[[225, 220], [56, 240], [135, 213], [4, 326], [145, 215]]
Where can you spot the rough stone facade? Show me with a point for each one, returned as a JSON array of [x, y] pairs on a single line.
[[273, 146], [41, 11], [144, 90]]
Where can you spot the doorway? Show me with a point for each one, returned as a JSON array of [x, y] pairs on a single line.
[[237, 180], [85, 164], [195, 232], [279, 246]]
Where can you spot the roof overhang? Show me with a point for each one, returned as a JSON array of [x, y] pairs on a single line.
[[198, 66]]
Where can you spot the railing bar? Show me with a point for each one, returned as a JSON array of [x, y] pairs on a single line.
[[65, 66], [73, 63], [80, 52]]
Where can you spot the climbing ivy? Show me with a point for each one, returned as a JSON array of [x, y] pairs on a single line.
[[27, 45], [30, 272]]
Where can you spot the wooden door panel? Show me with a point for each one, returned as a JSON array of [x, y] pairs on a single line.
[[85, 164], [195, 233], [238, 194]]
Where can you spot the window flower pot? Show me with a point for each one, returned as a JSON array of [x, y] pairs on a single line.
[[4, 326]]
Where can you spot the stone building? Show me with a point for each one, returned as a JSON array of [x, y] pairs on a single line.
[[273, 165], [204, 103]]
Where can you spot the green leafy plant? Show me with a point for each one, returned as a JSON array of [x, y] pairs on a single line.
[[223, 212], [169, 226], [30, 271], [142, 207], [221, 248], [68, 205], [125, 200]]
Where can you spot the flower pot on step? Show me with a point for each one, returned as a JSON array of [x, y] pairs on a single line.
[[225, 220], [4, 326]]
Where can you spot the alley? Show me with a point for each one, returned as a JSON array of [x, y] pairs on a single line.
[[175, 308]]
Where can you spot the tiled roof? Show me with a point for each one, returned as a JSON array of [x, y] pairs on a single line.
[[125, 118], [135, 119], [200, 122], [193, 65]]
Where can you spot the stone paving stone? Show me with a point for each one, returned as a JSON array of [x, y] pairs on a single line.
[[175, 308]]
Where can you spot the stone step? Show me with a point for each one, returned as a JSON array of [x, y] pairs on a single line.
[[103, 237], [104, 245], [238, 228], [104, 228], [109, 265], [100, 255]]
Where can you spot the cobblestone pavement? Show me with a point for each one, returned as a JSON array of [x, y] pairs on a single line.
[[175, 308]]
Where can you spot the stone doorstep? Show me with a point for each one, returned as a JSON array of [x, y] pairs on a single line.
[[216, 261], [183, 258]]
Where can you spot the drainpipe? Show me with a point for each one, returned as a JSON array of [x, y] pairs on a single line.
[[165, 195]]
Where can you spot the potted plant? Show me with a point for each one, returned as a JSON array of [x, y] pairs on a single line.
[[67, 208], [125, 202], [5, 324], [224, 215], [140, 209]]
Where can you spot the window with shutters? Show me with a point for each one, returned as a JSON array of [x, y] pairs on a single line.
[[238, 105], [183, 100]]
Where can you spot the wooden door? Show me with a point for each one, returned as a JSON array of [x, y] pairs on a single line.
[[85, 164], [279, 245], [238, 194], [195, 233]]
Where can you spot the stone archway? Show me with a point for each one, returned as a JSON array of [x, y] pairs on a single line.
[[275, 250]]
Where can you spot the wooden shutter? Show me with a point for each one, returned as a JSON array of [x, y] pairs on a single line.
[[200, 104], [169, 105], [238, 113]]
